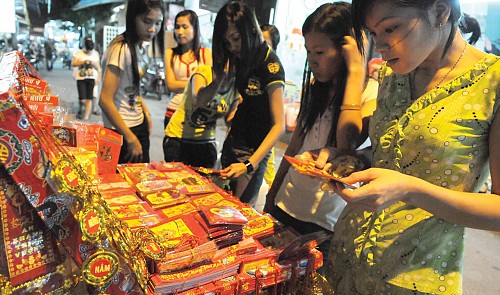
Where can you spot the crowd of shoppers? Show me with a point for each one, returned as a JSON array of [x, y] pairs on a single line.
[[87, 73]]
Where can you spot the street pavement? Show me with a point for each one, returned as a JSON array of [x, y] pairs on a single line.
[[482, 262]]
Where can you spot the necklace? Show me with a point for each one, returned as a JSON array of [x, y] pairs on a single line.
[[453, 67]]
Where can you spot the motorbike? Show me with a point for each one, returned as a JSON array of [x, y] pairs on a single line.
[[32, 57], [66, 59], [153, 80]]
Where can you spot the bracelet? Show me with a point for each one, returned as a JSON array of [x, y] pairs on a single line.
[[350, 107], [249, 166]]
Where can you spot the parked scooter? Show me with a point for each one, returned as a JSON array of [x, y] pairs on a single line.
[[153, 80]]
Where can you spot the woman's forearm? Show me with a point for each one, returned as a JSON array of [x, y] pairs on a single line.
[[476, 210], [267, 144]]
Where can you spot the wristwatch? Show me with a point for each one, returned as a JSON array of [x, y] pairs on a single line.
[[249, 166]]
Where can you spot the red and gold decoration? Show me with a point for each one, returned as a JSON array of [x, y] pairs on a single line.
[[70, 214]]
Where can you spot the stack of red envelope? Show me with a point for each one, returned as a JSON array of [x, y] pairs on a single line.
[[224, 224]]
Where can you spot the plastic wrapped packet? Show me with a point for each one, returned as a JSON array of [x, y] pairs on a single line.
[[180, 260]]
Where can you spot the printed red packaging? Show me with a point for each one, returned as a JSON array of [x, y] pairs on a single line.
[[65, 135], [30, 247], [132, 210], [113, 181], [207, 199], [120, 197], [260, 227], [261, 258], [207, 289], [173, 230], [40, 103], [109, 143], [165, 199], [223, 215], [33, 85], [87, 135], [227, 286], [263, 277], [178, 210], [189, 182], [187, 279], [167, 166], [143, 221], [140, 172], [46, 119]]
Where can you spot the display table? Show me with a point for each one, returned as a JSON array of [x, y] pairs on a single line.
[[70, 214]]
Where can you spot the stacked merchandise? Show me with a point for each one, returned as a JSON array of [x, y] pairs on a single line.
[[29, 255], [156, 228], [204, 237], [224, 224], [53, 229]]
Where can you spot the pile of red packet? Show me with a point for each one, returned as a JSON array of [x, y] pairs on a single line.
[[224, 224], [206, 239]]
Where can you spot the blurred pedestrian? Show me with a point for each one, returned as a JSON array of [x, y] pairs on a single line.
[[471, 25], [49, 53], [32, 52], [271, 35], [3, 47], [87, 72]]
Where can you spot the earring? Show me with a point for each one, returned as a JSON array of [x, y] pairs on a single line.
[[440, 25]]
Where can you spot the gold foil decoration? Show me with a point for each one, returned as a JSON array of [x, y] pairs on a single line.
[[123, 238], [153, 249], [100, 268], [138, 264], [91, 224], [5, 287], [68, 177]]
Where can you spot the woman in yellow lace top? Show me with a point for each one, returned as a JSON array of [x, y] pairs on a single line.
[[435, 137]]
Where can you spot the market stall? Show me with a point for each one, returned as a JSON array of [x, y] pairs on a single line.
[[71, 215]]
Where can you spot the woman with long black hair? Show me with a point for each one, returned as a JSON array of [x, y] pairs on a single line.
[[124, 62], [259, 119]]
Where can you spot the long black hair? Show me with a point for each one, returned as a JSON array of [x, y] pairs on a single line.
[[334, 20], [131, 38], [469, 24], [274, 33], [243, 17], [193, 20], [361, 8]]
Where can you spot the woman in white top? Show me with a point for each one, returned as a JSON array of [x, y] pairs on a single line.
[[182, 60], [124, 62], [331, 113], [87, 72]]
